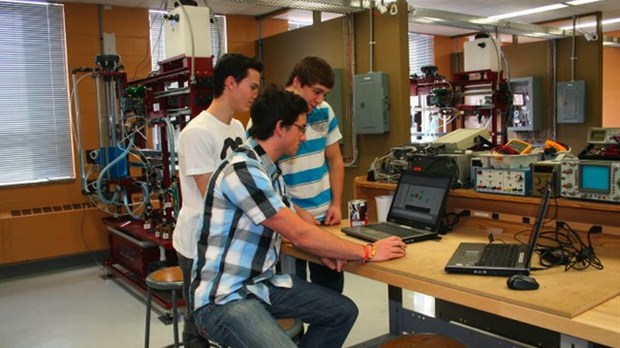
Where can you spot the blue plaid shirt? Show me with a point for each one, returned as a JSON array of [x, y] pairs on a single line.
[[236, 255]]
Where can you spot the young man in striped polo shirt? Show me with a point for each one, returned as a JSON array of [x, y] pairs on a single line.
[[315, 174]]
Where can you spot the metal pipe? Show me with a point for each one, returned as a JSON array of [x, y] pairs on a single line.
[[350, 59], [100, 112], [371, 41], [78, 136], [111, 108], [100, 27], [554, 74], [573, 56]]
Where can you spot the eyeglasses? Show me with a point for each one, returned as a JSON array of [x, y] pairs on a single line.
[[302, 129]]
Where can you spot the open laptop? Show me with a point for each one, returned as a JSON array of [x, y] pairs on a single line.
[[416, 211], [475, 258]]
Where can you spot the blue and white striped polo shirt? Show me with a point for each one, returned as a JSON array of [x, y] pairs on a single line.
[[306, 174]]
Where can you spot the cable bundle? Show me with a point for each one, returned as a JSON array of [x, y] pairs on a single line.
[[568, 249]]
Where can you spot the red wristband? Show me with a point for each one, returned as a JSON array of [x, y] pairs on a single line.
[[369, 253]]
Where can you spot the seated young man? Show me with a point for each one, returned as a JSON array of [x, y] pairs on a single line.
[[236, 292]]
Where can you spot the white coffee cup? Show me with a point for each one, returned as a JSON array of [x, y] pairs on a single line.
[[383, 206]]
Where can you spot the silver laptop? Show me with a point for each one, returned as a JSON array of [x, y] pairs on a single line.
[[416, 211], [499, 259]]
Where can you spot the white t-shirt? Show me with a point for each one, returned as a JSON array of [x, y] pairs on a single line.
[[203, 144]]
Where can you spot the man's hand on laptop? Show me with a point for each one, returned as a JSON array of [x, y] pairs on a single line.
[[388, 248]]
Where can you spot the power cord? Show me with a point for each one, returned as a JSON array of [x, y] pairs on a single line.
[[449, 220], [567, 248]]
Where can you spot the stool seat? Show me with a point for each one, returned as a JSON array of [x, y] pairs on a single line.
[[293, 327], [164, 279], [420, 340], [169, 278]]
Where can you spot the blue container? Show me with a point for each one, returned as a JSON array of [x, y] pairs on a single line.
[[119, 169]]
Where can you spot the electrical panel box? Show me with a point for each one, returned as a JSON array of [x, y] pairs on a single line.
[[188, 24], [371, 99], [482, 54], [525, 114], [571, 102]]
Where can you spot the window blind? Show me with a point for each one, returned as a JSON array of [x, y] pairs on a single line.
[[420, 52], [35, 130], [156, 35]]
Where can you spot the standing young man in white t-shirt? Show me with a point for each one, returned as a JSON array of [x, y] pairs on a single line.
[[203, 144]]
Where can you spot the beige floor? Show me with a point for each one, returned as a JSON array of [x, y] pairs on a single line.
[[76, 307]]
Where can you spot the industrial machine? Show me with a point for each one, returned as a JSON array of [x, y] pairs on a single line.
[[595, 174], [505, 173], [131, 170], [450, 155], [545, 173]]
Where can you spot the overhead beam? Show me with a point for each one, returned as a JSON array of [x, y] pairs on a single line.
[[463, 21], [337, 6]]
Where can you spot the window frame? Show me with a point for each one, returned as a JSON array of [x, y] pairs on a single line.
[[36, 140]]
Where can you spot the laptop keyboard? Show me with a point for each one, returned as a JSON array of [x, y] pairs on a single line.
[[395, 230], [499, 255]]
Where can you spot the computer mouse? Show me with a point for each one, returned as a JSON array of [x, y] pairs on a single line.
[[522, 282]]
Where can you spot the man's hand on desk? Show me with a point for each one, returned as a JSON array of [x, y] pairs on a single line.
[[334, 264], [333, 215]]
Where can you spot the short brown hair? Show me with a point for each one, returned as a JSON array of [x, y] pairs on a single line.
[[312, 70]]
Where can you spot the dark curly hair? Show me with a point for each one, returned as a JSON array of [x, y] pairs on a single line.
[[273, 105]]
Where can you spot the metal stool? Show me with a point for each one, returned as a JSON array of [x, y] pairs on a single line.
[[168, 279], [422, 340]]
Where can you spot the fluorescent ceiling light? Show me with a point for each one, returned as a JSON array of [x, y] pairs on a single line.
[[580, 2], [592, 24], [530, 11]]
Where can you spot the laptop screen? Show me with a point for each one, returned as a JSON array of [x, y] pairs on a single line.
[[419, 200]]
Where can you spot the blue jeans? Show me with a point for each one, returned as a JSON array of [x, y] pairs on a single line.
[[250, 322]]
